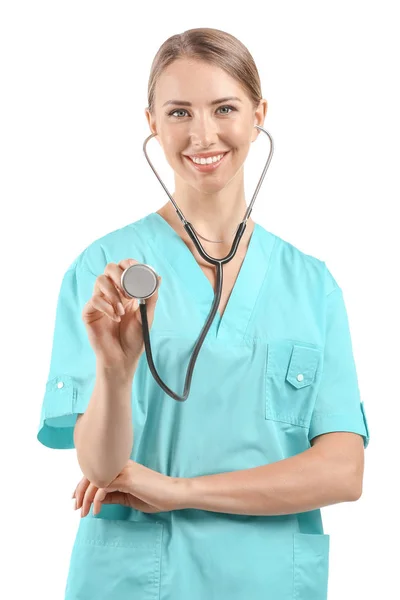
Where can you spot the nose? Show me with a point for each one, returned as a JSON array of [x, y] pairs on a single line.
[[203, 131]]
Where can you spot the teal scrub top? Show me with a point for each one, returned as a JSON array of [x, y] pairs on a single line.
[[274, 372]]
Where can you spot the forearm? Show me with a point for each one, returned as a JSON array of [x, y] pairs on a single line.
[[103, 435], [303, 482]]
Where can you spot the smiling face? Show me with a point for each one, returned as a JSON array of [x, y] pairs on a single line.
[[211, 125]]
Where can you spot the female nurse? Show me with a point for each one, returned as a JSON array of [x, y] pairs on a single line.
[[219, 496]]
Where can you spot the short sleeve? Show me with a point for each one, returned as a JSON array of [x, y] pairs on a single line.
[[338, 406], [72, 370]]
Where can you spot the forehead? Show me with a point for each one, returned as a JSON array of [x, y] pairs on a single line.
[[188, 79]]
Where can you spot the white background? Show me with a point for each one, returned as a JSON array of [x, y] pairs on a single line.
[[74, 84]]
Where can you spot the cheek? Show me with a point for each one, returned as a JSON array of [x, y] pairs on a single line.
[[238, 138], [173, 148]]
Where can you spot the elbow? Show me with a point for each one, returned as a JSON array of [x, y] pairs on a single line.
[[353, 475], [354, 489], [96, 478], [93, 468], [101, 483], [95, 474]]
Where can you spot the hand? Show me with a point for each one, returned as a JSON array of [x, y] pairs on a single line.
[[86, 493], [137, 487], [117, 340]]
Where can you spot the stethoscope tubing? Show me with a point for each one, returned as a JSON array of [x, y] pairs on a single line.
[[218, 262]]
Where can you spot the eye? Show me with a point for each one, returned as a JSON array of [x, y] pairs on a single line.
[[176, 110], [230, 107], [184, 110]]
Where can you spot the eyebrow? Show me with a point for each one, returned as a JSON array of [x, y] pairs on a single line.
[[185, 103]]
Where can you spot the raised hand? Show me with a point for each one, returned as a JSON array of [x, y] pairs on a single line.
[[113, 320]]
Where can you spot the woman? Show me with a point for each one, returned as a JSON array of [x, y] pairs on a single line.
[[218, 496]]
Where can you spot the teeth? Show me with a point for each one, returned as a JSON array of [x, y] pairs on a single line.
[[207, 161]]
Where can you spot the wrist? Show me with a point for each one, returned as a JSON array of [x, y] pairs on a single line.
[[185, 495], [119, 373]]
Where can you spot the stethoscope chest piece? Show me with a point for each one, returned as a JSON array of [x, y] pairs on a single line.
[[139, 281]]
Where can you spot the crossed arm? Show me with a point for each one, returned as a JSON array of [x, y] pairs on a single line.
[[329, 472]]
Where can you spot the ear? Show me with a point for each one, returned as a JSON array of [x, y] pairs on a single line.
[[150, 120], [259, 117], [152, 124]]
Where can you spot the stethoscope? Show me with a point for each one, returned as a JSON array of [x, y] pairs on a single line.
[[140, 280]]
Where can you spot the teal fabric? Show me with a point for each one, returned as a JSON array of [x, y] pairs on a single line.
[[274, 372]]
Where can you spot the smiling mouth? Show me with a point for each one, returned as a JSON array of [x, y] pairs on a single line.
[[205, 168]]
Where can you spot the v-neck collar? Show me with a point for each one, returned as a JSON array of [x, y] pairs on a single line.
[[242, 299]]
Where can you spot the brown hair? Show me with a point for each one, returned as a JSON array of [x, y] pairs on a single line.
[[213, 46]]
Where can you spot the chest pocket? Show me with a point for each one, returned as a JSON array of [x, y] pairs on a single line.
[[292, 378]]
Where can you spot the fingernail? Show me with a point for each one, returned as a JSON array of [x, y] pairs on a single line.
[[120, 308], [74, 504]]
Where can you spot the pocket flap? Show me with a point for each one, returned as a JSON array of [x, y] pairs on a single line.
[[303, 365]]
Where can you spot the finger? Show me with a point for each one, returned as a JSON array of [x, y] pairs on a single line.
[[88, 499], [100, 303], [107, 287], [125, 499], [122, 498], [104, 497], [81, 490], [98, 499], [127, 262], [114, 273], [74, 499]]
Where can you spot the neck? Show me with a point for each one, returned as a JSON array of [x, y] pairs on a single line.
[[218, 250], [215, 216]]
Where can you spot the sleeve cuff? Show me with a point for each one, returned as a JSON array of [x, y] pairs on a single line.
[[326, 423], [64, 399]]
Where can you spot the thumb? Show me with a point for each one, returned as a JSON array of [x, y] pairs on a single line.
[[106, 494], [114, 498], [104, 497]]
